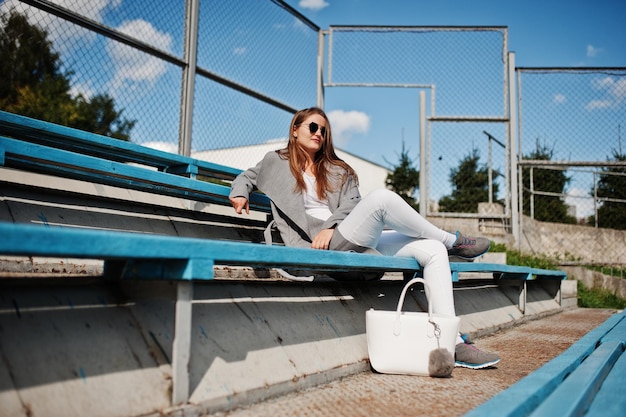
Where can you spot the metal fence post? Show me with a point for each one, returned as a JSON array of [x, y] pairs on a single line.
[[515, 214], [423, 156], [181, 347], [189, 77], [320, 69]]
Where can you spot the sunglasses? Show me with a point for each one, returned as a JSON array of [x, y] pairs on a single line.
[[314, 126]]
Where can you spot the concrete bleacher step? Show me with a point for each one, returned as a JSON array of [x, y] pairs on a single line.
[[250, 338], [158, 333]]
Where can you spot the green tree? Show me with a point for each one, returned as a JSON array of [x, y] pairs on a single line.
[[470, 186], [547, 208], [98, 115], [612, 214], [34, 85], [405, 178]]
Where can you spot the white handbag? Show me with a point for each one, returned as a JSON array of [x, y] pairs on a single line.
[[408, 342]]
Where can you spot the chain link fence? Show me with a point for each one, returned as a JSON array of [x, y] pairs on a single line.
[[264, 48], [246, 88], [571, 121], [464, 72], [88, 38], [258, 62], [572, 160]]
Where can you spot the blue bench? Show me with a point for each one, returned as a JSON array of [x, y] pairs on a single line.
[[41, 147], [48, 148], [178, 258], [585, 380]]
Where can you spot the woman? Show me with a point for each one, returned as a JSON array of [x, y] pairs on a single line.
[[316, 204]]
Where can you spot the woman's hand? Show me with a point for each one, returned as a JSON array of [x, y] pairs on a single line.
[[240, 203], [322, 239]]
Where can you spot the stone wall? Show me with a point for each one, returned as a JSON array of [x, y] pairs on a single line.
[[594, 279], [572, 242]]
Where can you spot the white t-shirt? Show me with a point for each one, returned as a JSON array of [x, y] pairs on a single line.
[[313, 206]]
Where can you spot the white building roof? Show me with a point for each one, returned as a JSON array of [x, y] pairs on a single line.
[[371, 176]]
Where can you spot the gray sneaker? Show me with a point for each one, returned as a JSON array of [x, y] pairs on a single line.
[[469, 247], [468, 356]]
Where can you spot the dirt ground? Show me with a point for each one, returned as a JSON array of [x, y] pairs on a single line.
[[523, 349]]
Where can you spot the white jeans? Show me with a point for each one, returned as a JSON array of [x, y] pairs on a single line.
[[411, 236]]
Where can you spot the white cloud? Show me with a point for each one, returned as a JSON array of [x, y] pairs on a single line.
[[162, 146], [559, 98], [240, 50], [580, 199], [132, 66], [615, 90], [84, 89], [64, 36], [346, 123], [598, 104], [313, 4], [144, 31], [602, 83], [592, 51]]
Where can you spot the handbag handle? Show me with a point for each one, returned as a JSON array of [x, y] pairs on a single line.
[[403, 294], [396, 323]]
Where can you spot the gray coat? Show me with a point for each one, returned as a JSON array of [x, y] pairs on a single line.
[[273, 177]]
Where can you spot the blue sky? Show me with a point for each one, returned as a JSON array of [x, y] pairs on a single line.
[[562, 33], [370, 123], [544, 33], [559, 33]]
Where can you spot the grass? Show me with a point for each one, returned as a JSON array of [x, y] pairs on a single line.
[[587, 297], [514, 257], [610, 270], [598, 298]]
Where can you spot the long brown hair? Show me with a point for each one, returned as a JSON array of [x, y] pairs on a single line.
[[324, 158]]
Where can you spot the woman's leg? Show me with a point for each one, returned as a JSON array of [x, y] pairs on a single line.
[[385, 209], [413, 236], [432, 255]]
